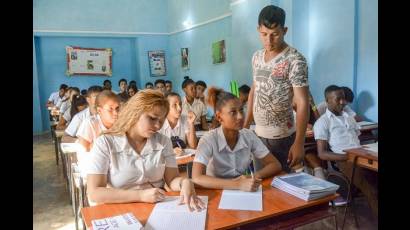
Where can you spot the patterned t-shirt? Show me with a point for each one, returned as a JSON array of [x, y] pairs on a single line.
[[274, 81]]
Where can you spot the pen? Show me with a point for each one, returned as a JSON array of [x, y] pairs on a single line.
[[151, 184]]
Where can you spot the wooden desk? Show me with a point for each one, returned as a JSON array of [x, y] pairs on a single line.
[[361, 157], [277, 206], [364, 158]]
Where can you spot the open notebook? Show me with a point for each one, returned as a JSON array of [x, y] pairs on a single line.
[[168, 215]]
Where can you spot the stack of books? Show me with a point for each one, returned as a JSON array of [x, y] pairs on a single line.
[[304, 186]]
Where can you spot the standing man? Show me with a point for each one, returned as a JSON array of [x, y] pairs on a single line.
[[279, 76]]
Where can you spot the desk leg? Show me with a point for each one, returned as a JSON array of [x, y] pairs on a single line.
[[350, 197]]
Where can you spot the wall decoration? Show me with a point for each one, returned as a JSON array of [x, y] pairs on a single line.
[[157, 63], [184, 58], [218, 52], [88, 61]]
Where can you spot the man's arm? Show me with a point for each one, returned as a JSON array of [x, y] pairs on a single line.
[[325, 154], [249, 115], [301, 100]]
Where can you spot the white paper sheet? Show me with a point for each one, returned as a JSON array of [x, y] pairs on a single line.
[[125, 221], [168, 215], [372, 147], [239, 200], [364, 123]]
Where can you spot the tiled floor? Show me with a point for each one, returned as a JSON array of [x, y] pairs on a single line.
[[52, 209]]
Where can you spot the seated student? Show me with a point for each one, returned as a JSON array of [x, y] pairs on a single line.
[[76, 121], [131, 162], [160, 85], [107, 85], [243, 97], [65, 97], [78, 104], [321, 108], [168, 86], [336, 131], [133, 83], [108, 106], [56, 97], [66, 103], [123, 94], [226, 153], [200, 87], [149, 85], [132, 90], [84, 92], [190, 103], [179, 128]]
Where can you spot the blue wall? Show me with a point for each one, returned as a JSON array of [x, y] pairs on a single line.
[[367, 60], [101, 15], [37, 124]]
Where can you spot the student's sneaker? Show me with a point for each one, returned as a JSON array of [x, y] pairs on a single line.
[[339, 201]]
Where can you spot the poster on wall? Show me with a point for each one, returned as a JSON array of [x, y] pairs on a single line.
[[157, 63], [88, 61], [218, 52], [184, 58]]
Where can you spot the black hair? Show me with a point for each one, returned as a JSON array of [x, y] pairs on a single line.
[[84, 92], [159, 81], [201, 83], [121, 80], [244, 89], [168, 81], [148, 83], [133, 82], [349, 96], [187, 82], [272, 16], [217, 98], [77, 101], [331, 88], [107, 81], [94, 89], [170, 94], [134, 87], [63, 86]]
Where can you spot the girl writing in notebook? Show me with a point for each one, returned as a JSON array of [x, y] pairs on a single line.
[[224, 154], [179, 128], [131, 162]]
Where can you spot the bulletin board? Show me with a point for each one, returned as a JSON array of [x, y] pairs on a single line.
[[88, 61]]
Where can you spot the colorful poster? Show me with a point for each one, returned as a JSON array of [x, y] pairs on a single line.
[[218, 52], [184, 58], [157, 63]]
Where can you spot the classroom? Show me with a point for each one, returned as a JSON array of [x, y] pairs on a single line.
[[205, 114]]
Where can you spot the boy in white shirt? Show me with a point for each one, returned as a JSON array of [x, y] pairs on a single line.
[[76, 121], [336, 131], [190, 103], [56, 97]]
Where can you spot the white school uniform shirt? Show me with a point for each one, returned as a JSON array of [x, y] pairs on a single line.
[[91, 128], [125, 169], [64, 106], [221, 161], [340, 131], [67, 116], [55, 98], [76, 122], [180, 130], [321, 108], [198, 107]]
